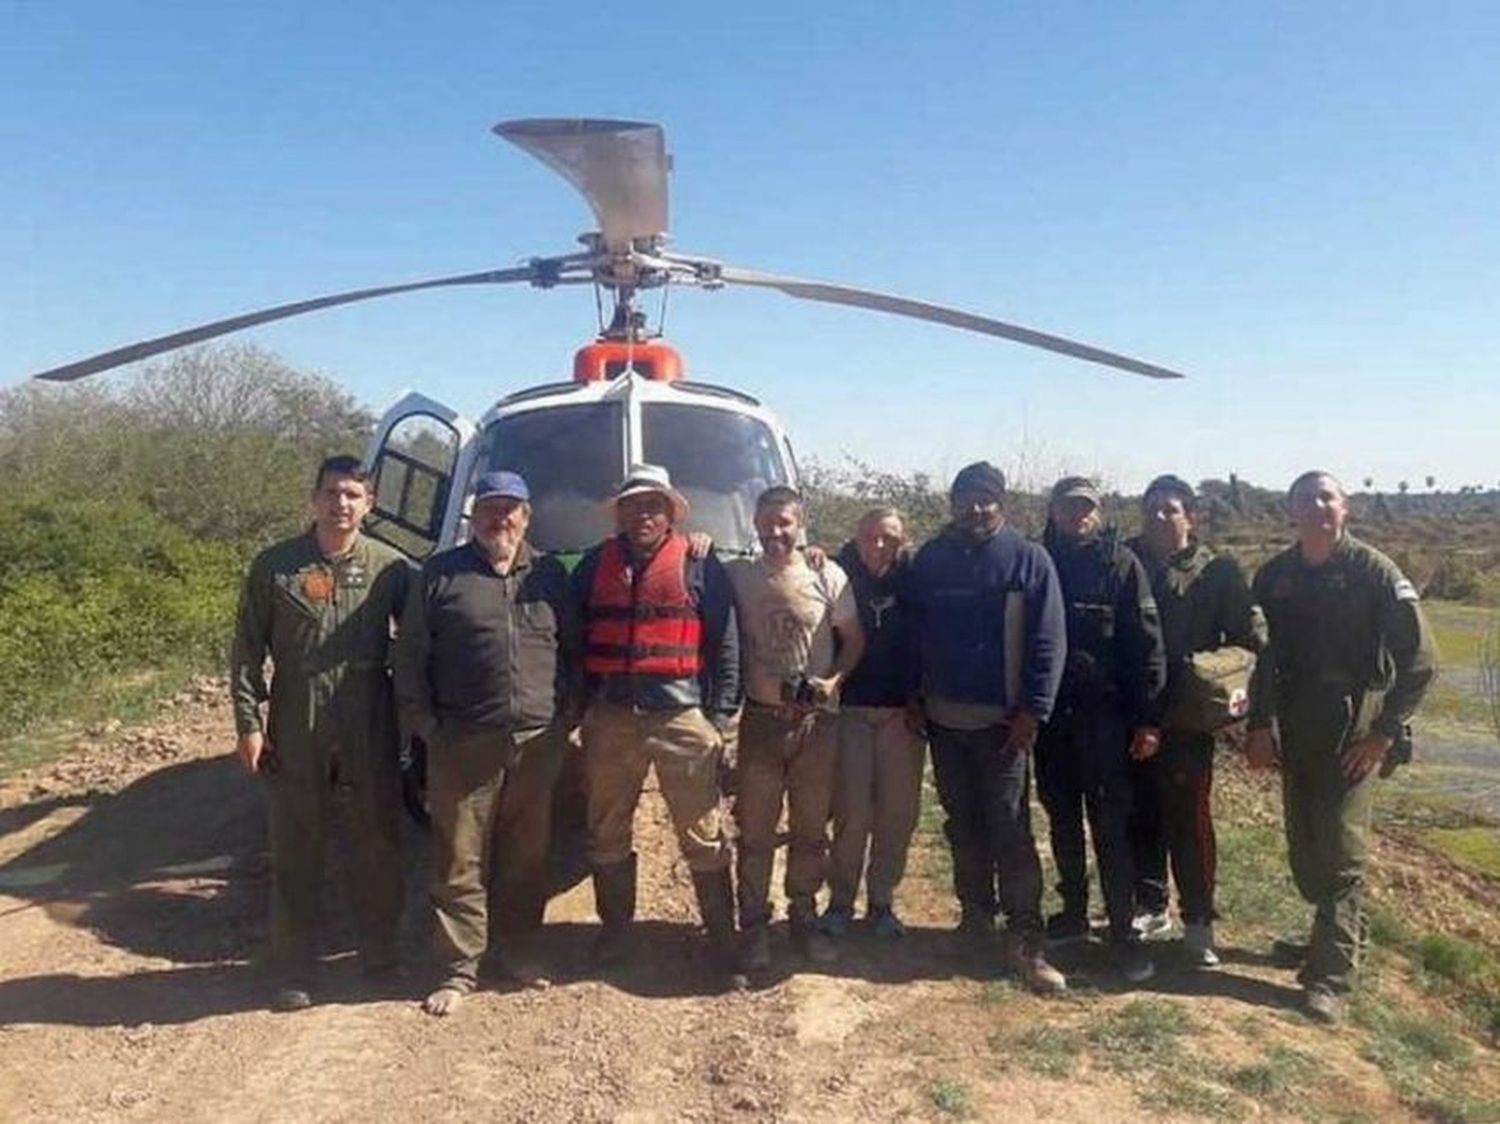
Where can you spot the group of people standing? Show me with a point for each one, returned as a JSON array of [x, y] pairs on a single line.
[[792, 684]]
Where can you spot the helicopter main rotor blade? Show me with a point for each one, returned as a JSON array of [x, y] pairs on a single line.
[[620, 167], [147, 348], [940, 314]]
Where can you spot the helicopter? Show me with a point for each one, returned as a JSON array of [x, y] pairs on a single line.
[[628, 400]]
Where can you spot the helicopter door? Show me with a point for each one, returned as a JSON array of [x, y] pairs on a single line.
[[419, 450]]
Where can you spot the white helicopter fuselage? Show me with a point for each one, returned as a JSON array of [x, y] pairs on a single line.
[[573, 443]]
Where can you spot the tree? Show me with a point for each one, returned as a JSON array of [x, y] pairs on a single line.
[[220, 441], [240, 388]]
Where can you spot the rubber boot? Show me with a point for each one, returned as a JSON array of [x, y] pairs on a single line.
[[614, 898], [716, 906]]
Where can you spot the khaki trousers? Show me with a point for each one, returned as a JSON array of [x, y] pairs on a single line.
[[620, 744], [877, 796], [490, 797], [790, 758]]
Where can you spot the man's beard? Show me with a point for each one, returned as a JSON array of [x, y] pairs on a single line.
[[499, 548]]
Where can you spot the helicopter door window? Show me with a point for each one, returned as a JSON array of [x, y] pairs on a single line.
[[720, 460], [412, 474], [571, 458]]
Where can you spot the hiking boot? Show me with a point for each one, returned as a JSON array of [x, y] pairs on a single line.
[[814, 946], [1132, 962], [290, 998], [1149, 923], [1025, 959], [1067, 928], [614, 898], [1323, 1005], [974, 935], [1198, 944], [836, 920], [1290, 952], [716, 906], [885, 924], [755, 949]]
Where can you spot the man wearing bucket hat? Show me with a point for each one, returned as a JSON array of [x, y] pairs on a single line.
[[661, 654], [487, 675], [1108, 713]]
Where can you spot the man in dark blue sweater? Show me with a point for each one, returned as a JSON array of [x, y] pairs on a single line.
[[991, 637]]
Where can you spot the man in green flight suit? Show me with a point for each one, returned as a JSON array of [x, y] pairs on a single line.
[[1350, 657], [321, 606]]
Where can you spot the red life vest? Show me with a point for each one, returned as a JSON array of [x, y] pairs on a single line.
[[644, 624]]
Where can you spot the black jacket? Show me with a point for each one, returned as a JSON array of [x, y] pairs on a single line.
[[887, 674], [480, 649], [1116, 656]]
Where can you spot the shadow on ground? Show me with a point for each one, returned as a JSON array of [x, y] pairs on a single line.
[[173, 868]]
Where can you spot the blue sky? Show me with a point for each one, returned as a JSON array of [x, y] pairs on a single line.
[[1295, 203]]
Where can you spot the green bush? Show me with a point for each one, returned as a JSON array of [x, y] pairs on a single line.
[[90, 589], [1462, 577], [127, 512]]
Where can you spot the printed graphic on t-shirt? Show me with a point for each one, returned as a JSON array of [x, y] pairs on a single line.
[[787, 620]]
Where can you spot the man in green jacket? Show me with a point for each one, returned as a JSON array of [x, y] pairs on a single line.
[[1350, 657], [1205, 605], [321, 606]]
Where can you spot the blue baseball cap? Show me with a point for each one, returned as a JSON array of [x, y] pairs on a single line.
[[501, 483]]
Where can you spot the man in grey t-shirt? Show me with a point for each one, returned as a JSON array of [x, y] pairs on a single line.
[[802, 637]]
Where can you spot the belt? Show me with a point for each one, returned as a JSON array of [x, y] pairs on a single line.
[[783, 711]]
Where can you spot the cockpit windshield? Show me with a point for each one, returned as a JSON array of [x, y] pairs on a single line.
[[572, 458], [720, 460]]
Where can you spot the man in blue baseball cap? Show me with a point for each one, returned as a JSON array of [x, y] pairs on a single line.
[[488, 675]]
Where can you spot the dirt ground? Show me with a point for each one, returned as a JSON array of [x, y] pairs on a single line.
[[132, 890]]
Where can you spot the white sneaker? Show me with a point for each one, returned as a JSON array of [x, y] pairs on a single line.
[[1198, 941], [1150, 925]]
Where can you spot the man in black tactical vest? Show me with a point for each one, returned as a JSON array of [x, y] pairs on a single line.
[[1108, 712]]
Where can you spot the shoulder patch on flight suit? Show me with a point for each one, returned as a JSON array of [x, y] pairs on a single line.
[[1404, 590]]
